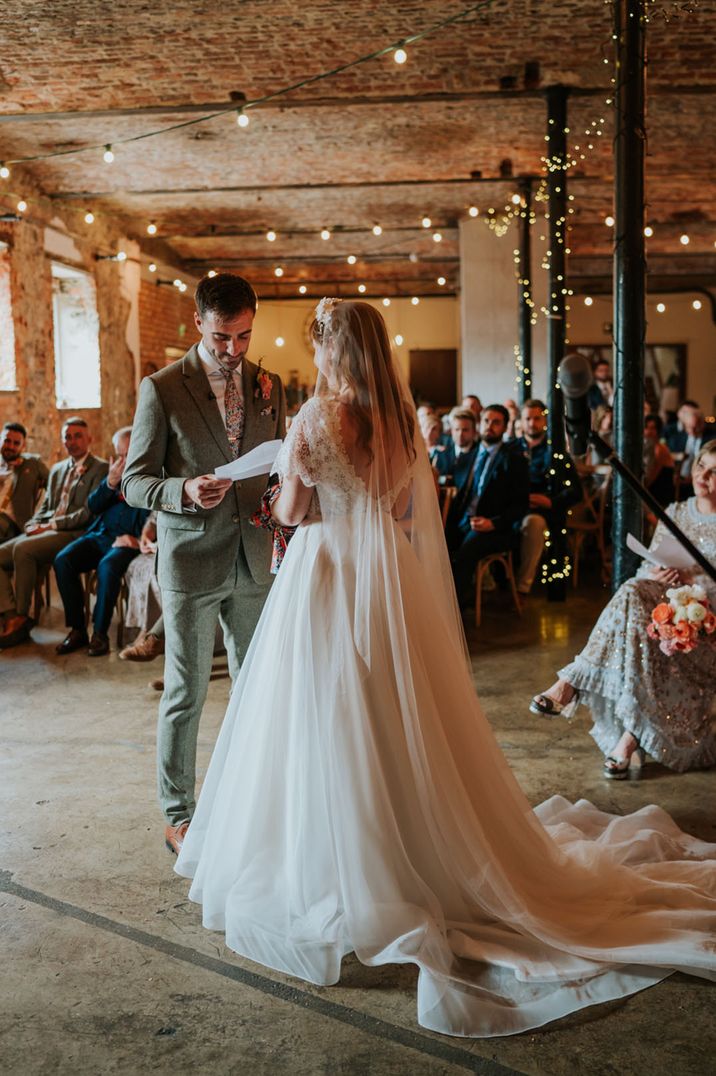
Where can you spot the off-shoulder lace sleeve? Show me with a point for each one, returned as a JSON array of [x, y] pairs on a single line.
[[294, 456]]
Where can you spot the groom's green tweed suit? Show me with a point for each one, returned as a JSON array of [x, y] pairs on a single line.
[[211, 563]]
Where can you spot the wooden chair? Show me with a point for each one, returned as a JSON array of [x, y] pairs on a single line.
[[590, 521], [483, 566], [446, 496], [42, 583], [89, 580]]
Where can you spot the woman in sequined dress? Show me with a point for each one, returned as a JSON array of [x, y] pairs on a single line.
[[641, 699]]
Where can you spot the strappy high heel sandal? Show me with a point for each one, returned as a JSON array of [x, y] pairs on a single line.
[[617, 768], [546, 706]]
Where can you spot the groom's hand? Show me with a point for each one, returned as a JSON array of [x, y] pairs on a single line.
[[206, 491]]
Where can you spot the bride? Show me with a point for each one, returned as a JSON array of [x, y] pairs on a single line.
[[357, 799]]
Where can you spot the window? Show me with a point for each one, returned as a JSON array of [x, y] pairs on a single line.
[[8, 382], [76, 330]]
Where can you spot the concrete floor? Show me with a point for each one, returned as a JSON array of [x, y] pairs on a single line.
[[106, 968]]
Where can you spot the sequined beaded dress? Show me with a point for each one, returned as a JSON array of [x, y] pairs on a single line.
[[668, 703]]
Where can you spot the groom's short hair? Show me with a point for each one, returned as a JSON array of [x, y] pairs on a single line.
[[224, 295]]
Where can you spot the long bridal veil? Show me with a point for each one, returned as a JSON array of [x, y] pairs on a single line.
[[357, 799]]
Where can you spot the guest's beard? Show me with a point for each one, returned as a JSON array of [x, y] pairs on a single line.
[[9, 455]]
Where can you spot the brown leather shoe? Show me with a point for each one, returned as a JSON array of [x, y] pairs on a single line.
[[99, 646], [174, 837], [15, 631], [146, 648], [76, 640]]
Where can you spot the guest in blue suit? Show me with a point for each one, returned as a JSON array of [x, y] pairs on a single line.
[[454, 463], [109, 545], [494, 498]]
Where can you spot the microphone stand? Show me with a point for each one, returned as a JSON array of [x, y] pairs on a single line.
[[607, 453]]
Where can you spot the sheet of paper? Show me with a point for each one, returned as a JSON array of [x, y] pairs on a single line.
[[668, 554], [258, 461]]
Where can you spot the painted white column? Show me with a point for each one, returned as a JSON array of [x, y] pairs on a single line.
[[130, 279], [488, 314]]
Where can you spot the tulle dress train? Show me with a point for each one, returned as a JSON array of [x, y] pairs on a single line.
[[357, 799]]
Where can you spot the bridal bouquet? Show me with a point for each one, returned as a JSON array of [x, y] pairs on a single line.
[[281, 536], [679, 621]]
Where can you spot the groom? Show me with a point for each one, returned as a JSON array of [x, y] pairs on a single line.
[[204, 410]]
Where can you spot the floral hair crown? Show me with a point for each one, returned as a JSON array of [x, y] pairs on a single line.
[[324, 310]]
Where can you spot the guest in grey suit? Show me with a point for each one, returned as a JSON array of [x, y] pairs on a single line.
[[22, 479], [202, 411], [61, 518]]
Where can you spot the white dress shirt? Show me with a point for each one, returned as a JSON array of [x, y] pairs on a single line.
[[217, 379], [6, 487]]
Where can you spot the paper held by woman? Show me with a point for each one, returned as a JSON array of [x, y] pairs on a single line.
[[258, 461]]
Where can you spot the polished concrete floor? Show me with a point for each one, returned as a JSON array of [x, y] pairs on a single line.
[[106, 969]]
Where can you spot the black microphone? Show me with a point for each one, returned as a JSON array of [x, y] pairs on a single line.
[[574, 376]]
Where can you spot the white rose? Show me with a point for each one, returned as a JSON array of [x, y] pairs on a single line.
[[680, 613], [695, 612], [698, 592]]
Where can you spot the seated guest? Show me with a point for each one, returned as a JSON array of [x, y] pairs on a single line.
[[109, 544], [514, 426], [22, 479], [432, 430], [144, 602], [641, 698], [554, 488], [493, 499], [658, 462], [61, 517], [692, 433], [454, 464], [601, 391], [474, 404]]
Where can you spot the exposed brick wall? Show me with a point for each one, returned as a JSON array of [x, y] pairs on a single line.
[[166, 319]]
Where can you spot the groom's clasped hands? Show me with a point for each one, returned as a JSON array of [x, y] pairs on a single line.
[[206, 491]]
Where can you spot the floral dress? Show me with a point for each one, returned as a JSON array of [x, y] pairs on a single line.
[[667, 702]]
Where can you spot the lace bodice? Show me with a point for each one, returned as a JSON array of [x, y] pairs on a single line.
[[315, 452]]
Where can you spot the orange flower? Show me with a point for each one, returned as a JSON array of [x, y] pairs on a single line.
[[663, 613], [709, 623]]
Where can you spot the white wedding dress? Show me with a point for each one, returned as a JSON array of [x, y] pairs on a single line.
[[357, 799]]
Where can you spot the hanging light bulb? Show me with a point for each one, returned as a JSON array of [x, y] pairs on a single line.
[[278, 271], [377, 230], [415, 300], [609, 221], [473, 211], [152, 267], [89, 217], [400, 56], [437, 237], [271, 236], [325, 234], [302, 289], [361, 288], [661, 307], [441, 281], [696, 304], [398, 339], [151, 228], [177, 283], [351, 259], [108, 155], [121, 256], [516, 199], [182, 287], [426, 222], [241, 118], [279, 341], [386, 302], [211, 274], [4, 171], [21, 205], [588, 300], [648, 231], [684, 240]]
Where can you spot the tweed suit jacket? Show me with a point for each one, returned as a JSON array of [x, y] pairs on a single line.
[[78, 514], [28, 480], [178, 433]]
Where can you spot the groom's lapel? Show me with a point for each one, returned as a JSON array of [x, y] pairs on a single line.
[[249, 372], [197, 383]]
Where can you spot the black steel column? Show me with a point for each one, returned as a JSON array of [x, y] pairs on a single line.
[[557, 560], [629, 277], [524, 292], [557, 203]]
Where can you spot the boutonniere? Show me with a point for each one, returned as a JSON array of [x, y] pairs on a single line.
[[79, 471], [264, 384]]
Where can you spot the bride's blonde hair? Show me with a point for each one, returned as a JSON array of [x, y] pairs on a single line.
[[356, 339]]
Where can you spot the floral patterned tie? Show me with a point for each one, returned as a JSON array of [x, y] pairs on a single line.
[[234, 409]]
